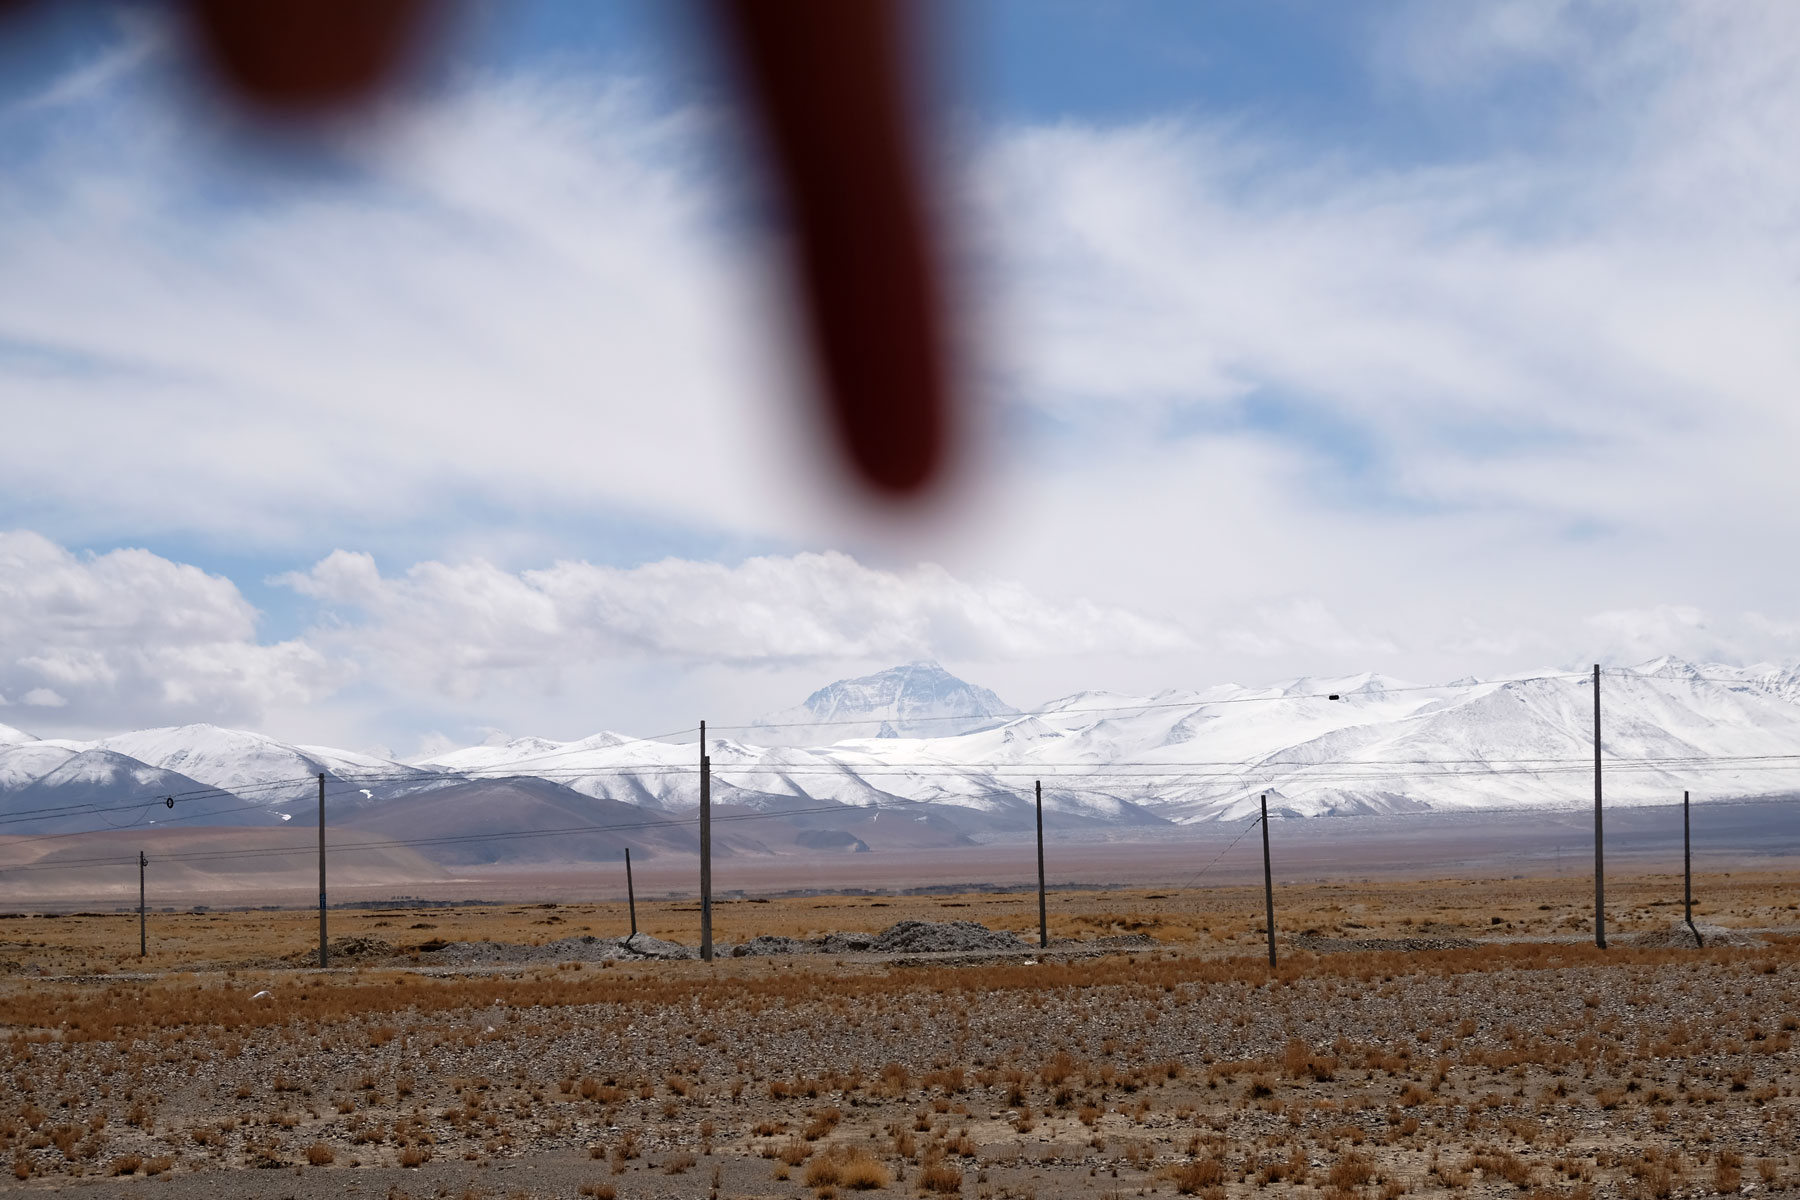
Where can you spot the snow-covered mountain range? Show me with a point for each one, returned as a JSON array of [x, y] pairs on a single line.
[[952, 758]]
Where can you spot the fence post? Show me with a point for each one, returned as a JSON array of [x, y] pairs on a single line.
[[1687, 872], [630, 896], [1043, 916], [1268, 882]]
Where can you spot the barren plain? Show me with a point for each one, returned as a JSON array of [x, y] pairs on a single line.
[[1443, 1038]]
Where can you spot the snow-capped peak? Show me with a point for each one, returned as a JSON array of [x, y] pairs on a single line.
[[917, 700]]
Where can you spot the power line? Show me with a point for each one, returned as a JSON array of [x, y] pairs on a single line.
[[1117, 773], [1150, 705], [1195, 877]]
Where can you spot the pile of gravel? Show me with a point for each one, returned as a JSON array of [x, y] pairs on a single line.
[[939, 937], [767, 944], [1678, 935], [586, 948], [644, 946], [347, 950], [908, 937], [1335, 945]]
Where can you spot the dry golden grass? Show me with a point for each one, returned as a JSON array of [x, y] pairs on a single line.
[[1224, 919], [846, 1166]]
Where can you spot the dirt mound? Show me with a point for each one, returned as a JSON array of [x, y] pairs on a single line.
[[940, 937], [1679, 935]]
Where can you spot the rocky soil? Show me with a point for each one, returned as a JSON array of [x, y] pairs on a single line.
[[1366, 1074]]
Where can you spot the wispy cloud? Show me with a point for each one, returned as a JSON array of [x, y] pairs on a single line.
[[1461, 401]]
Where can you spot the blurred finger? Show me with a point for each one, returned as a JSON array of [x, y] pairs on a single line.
[[826, 80], [302, 56]]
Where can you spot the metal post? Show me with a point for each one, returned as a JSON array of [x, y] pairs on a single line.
[[143, 933], [1268, 882], [706, 943], [630, 896], [1599, 833], [323, 961], [1687, 872], [1043, 916]]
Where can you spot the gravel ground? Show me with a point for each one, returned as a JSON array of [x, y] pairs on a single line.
[[1645, 1075], [906, 937]]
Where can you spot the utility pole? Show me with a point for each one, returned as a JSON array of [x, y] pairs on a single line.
[[143, 933], [630, 896], [323, 961], [1043, 916], [1268, 882], [1687, 872], [706, 946], [1599, 833]]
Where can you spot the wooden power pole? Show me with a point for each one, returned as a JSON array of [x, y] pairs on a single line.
[[323, 960], [706, 943], [1268, 882], [1599, 832], [143, 931], [630, 896], [1043, 915], [1687, 872]]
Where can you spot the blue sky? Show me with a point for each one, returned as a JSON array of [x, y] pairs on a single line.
[[1437, 340]]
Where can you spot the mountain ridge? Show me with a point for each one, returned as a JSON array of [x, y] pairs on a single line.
[[1362, 743]]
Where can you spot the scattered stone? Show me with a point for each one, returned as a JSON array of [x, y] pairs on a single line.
[[585, 948], [346, 949], [942, 937], [768, 944], [1319, 944], [1679, 935]]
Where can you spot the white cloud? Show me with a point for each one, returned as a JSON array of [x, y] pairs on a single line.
[[1686, 631], [1302, 623], [520, 297], [1462, 402], [130, 638], [463, 629]]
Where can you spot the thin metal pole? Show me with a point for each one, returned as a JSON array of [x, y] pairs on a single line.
[[1043, 916], [630, 896], [706, 942], [1599, 832], [1687, 872], [143, 932], [323, 959], [1268, 882]]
